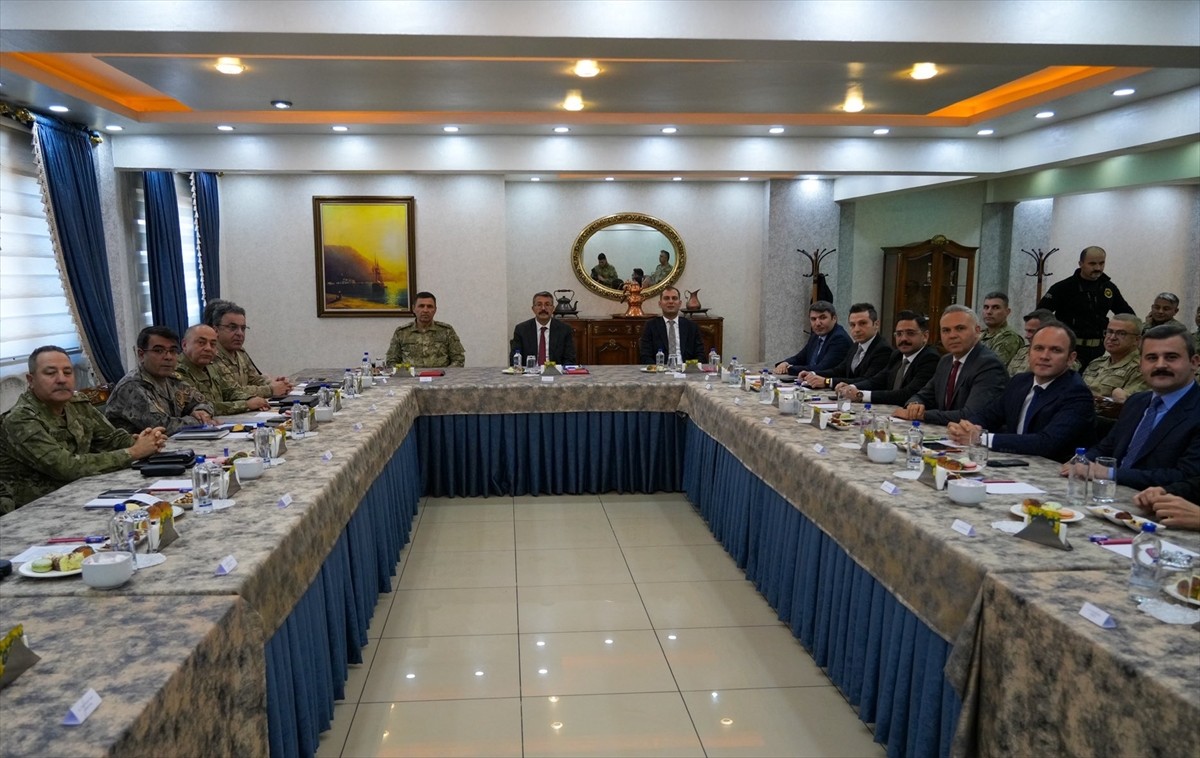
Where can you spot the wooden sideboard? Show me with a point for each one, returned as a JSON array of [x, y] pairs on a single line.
[[614, 341]]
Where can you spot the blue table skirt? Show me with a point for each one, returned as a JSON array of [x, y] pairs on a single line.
[[309, 655], [551, 453], [884, 659]]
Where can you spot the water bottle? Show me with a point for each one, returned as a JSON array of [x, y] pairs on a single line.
[[348, 384], [1077, 483], [262, 442], [766, 389], [660, 360], [1145, 571], [732, 377], [867, 423], [122, 535], [914, 440], [714, 360], [367, 373], [202, 487], [518, 362]]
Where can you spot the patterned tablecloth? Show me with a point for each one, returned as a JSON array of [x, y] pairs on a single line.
[[172, 673]]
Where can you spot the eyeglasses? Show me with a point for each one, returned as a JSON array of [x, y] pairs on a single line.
[[1115, 333], [235, 328], [160, 350]]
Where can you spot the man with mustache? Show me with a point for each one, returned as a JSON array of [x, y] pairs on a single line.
[[232, 363], [910, 367], [1083, 301], [1157, 439], [150, 395]]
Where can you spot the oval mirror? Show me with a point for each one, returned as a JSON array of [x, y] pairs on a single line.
[[613, 249]]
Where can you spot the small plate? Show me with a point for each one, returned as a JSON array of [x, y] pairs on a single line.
[[26, 569], [1019, 511], [1134, 521], [1169, 588]]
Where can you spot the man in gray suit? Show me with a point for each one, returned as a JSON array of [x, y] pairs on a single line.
[[967, 378]]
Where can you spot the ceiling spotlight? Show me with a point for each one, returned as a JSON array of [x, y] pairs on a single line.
[[854, 99], [114, 128], [282, 105], [669, 130], [450, 129], [609, 179], [231, 66], [573, 101], [743, 178], [561, 129], [59, 108], [586, 68], [677, 178], [224, 128], [775, 130], [1045, 114], [535, 179], [924, 70], [340, 128], [986, 132], [881, 131], [1126, 92]]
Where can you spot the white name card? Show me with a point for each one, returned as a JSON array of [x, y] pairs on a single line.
[[547, 380], [327, 456], [82, 708], [357, 427], [708, 385], [285, 501], [820, 449], [425, 379], [1097, 616], [226, 566], [391, 393], [963, 528], [373, 408], [889, 488], [737, 401], [768, 420]]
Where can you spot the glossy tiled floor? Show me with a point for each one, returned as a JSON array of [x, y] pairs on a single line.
[[582, 626]]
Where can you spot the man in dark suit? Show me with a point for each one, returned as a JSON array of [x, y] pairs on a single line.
[[968, 376], [910, 367], [867, 356], [1045, 411], [826, 346], [671, 334], [1156, 441], [543, 335]]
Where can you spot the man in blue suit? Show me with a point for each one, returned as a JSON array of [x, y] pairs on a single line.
[[1156, 441], [869, 356], [826, 347], [1046, 411]]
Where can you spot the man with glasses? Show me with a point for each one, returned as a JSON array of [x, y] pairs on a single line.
[[150, 395], [232, 362], [1117, 374], [910, 367], [52, 436]]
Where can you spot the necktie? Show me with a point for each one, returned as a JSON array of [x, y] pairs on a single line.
[[542, 346], [900, 372], [817, 355], [1033, 404], [1142, 433], [672, 340], [858, 356], [950, 385]]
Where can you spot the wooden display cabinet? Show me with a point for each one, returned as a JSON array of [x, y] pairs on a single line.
[[614, 341], [927, 277]]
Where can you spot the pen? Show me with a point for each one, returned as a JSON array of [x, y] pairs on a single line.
[[91, 538], [1113, 541]]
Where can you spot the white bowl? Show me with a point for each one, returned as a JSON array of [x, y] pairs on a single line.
[[882, 452], [107, 570], [248, 468], [323, 413], [966, 491]]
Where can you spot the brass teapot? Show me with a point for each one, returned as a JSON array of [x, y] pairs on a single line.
[[566, 306]]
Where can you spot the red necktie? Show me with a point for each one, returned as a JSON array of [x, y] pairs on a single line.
[[950, 385], [542, 346]]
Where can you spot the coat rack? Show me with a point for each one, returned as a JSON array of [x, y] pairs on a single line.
[[815, 259], [1040, 259]]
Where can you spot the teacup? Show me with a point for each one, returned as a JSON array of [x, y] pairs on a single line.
[[882, 452], [967, 491], [248, 468], [107, 570], [323, 413]]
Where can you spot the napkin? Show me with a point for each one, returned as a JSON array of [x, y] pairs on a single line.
[[1014, 488], [1169, 613]]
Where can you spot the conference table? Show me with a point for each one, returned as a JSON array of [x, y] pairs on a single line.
[[930, 633]]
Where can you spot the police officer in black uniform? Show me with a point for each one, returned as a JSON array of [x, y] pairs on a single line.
[[1083, 302]]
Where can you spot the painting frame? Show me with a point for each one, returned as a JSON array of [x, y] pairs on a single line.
[[366, 255]]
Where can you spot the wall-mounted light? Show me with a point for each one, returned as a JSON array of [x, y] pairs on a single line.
[[573, 100], [924, 70], [586, 68], [230, 66], [854, 99]]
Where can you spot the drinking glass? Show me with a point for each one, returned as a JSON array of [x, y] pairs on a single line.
[[1104, 489], [300, 423], [882, 428], [977, 451], [672, 363], [530, 364]]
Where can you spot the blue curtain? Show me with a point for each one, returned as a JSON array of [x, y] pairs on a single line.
[[164, 248], [208, 232], [71, 183]]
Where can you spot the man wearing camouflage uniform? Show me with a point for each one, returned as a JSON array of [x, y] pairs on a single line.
[[1163, 311], [426, 343], [195, 368], [52, 436], [1118, 374], [1033, 321], [150, 395], [232, 363], [1000, 337]]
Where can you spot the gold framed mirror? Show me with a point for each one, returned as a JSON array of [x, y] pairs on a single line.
[[628, 242]]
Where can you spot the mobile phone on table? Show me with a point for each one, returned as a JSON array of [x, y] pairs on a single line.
[[942, 446]]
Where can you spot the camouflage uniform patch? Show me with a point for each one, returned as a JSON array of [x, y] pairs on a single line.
[[435, 347], [1004, 343], [139, 401], [1102, 376], [237, 370], [225, 398]]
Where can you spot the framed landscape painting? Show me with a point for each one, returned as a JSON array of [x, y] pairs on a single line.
[[366, 255]]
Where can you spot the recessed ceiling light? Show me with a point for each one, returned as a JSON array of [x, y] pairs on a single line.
[[450, 129], [230, 66], [561, 129], [1045, 114], [669, 130], [609, 179], [573, 100], [282, 105], [114, 128], [677, 178], [340, 128], [224, 128], [59, 108], [1124, 92], [924, 70], [776, 130], [854, 99], [986, 132], [586, 68], [743, 178], [881, 131], [535, 178]]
